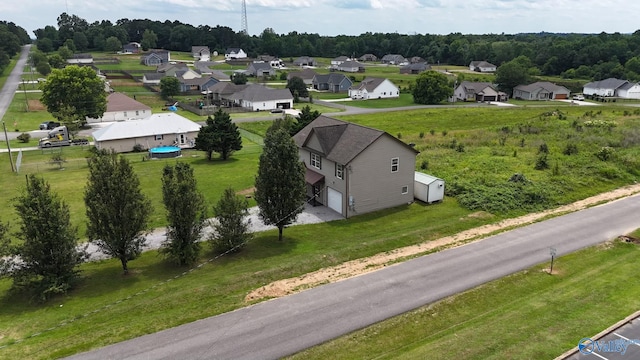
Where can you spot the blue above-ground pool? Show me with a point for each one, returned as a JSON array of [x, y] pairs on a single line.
[[164, 152]]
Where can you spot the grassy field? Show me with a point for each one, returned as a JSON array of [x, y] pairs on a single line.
[[213, 177], [403, 100], [528, 315], [493, 150], [217, 287]]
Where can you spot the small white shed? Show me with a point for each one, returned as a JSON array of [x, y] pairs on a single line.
[[428, 188]]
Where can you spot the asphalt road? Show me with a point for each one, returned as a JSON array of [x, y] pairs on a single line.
[[11, 85], [623, 343], [280, 327]]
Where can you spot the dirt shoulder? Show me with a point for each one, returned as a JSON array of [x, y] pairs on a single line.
[[361, 266]]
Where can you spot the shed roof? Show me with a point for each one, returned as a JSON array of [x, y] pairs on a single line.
[[423, 178], [120, 102]]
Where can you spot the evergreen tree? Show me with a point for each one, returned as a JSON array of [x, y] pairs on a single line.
[[48, 256], [219, 135], [117, 211], [305, 117], [231, 229], [186, 213], [280, 185]]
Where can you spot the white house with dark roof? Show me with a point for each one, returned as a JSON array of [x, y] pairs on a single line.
[[350, 66], [612, 87], [374, 88], [541, 90], [305, 61], [164, 129], [482, 66], [393, 59], [258, 97], [152, 78], [354, 169], [305, 74], [234, 53], [120, 107]]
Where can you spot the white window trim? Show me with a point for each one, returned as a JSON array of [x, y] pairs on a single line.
[[316, 161], [405, 189], [159, 137], [395, 163], [340, 171]]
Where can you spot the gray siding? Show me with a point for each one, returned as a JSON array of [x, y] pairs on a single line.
[[371, 182]]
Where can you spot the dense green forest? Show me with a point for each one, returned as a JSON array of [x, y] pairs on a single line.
[[12, 37], [584, 56]]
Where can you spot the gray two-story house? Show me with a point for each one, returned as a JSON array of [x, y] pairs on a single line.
[[354, 169]]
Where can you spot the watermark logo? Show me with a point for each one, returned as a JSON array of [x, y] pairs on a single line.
[[587, 345]]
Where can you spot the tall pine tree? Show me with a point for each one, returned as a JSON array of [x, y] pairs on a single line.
[[47, 259], [280, 185], [117, 210], [219, 135], [186, 213]]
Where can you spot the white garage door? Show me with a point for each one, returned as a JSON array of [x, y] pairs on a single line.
[[335, 200]]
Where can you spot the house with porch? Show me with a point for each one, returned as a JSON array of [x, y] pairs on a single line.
[[332, 82], [305, 61], [541, 90], [201, 53], [305, 74], [350, 66], [482, 66], [477, 91], [353, 169], [120, 107], [393, 59], [258, 98], [156, 58], [163, 129], [415, 68], [612, 87], [374, 88], [260, 69], [234, 53]]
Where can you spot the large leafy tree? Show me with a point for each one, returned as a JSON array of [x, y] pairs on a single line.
[[186, 213], [513, 73], [117, 210], [219, 135], [113, 44], [149, 40], [48, 255], [169, 86], [431, 87], [305, 117], [231, 227], [74, 88], [297, 87], [280, 184]]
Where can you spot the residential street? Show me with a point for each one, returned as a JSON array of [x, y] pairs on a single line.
[[10, 87], [283, 326]]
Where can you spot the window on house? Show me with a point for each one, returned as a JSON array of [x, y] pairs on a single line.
[[137, 112], [316, 161], [395, 162], [125, 114], [405, 189], [340, 171], [159, 137]]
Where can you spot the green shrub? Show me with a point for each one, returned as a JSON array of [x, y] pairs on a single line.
[[543, 148], [542, 162], [570, 149], [421, 135], [605, 153], [24, 137], [424, 165], [138, 148]]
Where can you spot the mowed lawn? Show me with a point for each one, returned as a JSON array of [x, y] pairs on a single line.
[[528, 315]]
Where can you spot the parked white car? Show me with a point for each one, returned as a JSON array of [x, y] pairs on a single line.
[[578, 97]]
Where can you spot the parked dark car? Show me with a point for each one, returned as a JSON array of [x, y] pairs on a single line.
[[48, 125]]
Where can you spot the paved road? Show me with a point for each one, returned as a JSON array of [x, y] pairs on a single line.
[[287, 325], [11, 85], [622, 343]]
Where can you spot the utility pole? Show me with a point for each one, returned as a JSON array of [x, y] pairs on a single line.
[[26, 100], [6, 137]]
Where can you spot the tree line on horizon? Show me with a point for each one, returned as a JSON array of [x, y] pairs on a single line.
[[12, 37], [586, 56]]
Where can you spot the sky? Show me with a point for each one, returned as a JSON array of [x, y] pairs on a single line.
[[348, 17]]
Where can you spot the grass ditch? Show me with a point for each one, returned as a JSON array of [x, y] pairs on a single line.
[[523, 316]]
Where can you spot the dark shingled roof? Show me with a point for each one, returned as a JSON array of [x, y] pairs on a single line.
[[341, 141]]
